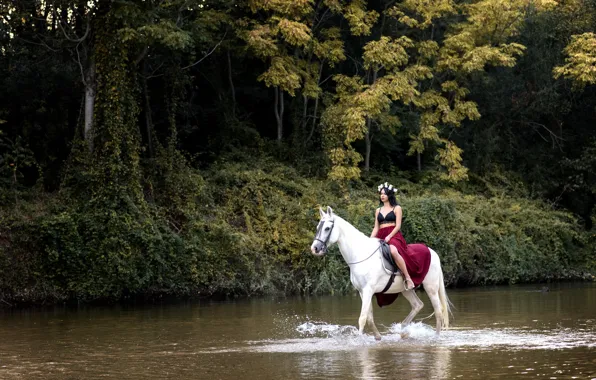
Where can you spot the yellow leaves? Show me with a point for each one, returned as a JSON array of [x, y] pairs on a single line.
[[450, 158], [580, 64], [373, 100], [344, 123], [428, 49], [450, 85], [427, 10], [310, 77], [443, 109], [388, 122], [386, 53], [359, 19], [283, 74], [460, 54], [262, 41], [545, 5], [494, 21], [344, 164], [430, 99], [448, 112], [484, 37], [295, 33], [347, 85], [401, 85], [466, 109], [332, 49], [268, 39], [310, 89], [428, 130], [416, 145], [289, 8], [333, 5]]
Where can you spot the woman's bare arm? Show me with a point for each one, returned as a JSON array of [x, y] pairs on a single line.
[[376, 228]]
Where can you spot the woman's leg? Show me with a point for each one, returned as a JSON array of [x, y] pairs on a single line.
[[401, 264]]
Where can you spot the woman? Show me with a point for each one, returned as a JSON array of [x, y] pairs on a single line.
[[387, 227]]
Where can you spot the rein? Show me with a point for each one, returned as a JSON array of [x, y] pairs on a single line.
[[358, 262]]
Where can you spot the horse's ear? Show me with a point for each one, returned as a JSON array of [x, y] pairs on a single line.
[[329, 211], [321, 212]]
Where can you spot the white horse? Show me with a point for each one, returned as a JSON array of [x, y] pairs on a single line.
[[368, 275]]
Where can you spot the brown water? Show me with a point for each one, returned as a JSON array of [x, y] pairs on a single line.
[[499, 332]]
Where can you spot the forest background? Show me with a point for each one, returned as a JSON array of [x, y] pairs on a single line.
[[182, 148]]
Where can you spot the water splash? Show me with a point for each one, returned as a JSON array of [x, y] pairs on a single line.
[[319, 336]]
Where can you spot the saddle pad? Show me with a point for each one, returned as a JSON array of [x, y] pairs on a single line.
[[417, 261]]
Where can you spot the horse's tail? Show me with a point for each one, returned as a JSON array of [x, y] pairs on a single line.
[[445, 302]]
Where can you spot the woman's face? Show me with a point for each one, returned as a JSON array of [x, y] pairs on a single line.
[[383, 195]]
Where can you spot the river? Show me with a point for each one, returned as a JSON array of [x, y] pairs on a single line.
[[513, 332]]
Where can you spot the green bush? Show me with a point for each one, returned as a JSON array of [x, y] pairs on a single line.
[[244, 227]]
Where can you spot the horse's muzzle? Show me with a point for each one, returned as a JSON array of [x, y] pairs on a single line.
[[318, 249]]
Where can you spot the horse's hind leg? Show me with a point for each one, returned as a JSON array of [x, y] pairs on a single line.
[[416, 304], [433, 294]]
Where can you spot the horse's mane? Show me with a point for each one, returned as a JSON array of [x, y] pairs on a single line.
[[350, 229]]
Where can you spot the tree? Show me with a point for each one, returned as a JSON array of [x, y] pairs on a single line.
[[420, 61]]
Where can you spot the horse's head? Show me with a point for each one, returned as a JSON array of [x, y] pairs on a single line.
[[325, 234]]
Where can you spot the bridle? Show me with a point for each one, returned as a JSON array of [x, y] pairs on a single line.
[[320, 229], [324, 249]]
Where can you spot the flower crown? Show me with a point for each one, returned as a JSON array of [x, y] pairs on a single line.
[[387, 186]]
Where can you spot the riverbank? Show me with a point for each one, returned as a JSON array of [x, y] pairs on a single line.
[[248, 231]]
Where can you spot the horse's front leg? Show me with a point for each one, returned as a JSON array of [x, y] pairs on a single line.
[[366, 313]]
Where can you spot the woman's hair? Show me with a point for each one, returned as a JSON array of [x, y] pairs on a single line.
[[390, 195]]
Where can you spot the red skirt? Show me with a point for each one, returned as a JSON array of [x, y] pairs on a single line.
[[416, 256]]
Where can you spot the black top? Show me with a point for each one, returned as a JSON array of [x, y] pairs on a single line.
[[389, 218]]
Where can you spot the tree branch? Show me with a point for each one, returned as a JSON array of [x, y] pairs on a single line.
[[208, 54], [141, 55], [81, 66], [77, 40]]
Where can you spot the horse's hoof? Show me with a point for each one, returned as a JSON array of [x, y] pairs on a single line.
[[377, 337], [404, 335]]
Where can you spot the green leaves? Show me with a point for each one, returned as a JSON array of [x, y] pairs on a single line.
[[164, 32]]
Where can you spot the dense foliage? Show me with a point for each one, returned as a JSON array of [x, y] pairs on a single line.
[[183, 147]]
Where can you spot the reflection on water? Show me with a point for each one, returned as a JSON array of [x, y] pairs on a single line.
[[510, 332]]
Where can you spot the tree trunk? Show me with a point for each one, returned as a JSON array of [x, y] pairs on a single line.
[[419, 161], [279, 112], [232, 88], [368, 132], [89, 105], [148, 118], [368, 139], [314, 115], [304, 113]]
